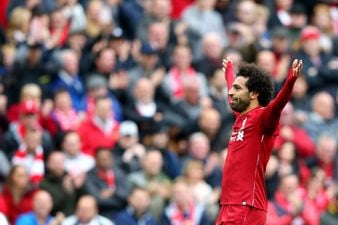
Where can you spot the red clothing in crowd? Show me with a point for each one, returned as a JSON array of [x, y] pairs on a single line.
[[46, 122], [250, 145], [15, 209], [279, 211], [93, 137], [178, 6], [302, 141], [3, 13]]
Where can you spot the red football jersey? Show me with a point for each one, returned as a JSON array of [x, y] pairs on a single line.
[[250, 145]]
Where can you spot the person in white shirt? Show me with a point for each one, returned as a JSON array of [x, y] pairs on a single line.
[[76, 162], [87, 213]]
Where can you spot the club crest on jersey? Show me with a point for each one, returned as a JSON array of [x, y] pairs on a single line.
[[239, 135]]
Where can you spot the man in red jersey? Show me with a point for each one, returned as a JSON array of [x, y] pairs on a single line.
[[243, 198]]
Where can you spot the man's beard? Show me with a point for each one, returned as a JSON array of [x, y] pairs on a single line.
[[239, 105]]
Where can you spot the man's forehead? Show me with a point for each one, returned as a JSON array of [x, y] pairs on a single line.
[[241, 81]]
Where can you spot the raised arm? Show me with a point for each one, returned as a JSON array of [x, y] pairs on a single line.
[[229, 74], [275, 107]]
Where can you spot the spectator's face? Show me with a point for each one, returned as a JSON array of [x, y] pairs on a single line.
[[199, 148], [158, 36], [311, 47], [289, 185], [212, 46], [149, 61], [63, 101], [246, 12], [29, 120], [56, 163], [210, 121], [42, 204], [72, 144], [33, 139], [217, 80], [103, 109], [161, 9], [287, 152], [326, 150], [104, 160], [106, 62], [20, 178], [86, 209], [182, 57], [300, 88], [181, 194], [144, 91], [323, 105], [153, 163], [127, 141], [192, 92], [266, 60], [71, 62], [140, 201]]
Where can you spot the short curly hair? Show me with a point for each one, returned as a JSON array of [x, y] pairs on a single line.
[[259, 81]]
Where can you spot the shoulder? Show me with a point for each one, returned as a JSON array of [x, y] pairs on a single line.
[[69, 220], [105, 221]]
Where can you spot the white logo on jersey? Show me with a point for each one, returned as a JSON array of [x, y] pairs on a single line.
[[239, 136]]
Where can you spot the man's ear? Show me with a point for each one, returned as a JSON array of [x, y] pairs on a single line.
[[253, 95]]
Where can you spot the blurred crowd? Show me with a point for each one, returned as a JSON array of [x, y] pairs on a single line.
[[115, 111]]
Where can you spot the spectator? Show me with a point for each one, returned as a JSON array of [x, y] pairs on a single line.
[[76, 162], [319, 67], [201, 18], [181, 70], [209, 123], [28, 121], [199, 150], [107, 184], [159, 139], [144, 109], [182, 209], [325, 156], [102, 127], [291, 131], [202, 192], [97, 88], [212, 51], [69, 79], [330, 216], [30, 154], [148, 67], [18, 25], [128, 151], [322, 117], [17, 193], [3, 219], [64, 188], [63, 113], [32, 92], [87, 213], [153, 180], [288, 205], [188, 108], [159, 39], [137, 211], [42, 206]]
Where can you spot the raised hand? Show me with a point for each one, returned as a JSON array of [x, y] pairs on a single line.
[[297, 66], [225, 63]]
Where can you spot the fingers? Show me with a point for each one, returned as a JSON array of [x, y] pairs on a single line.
[[297, 66], [225, 62]]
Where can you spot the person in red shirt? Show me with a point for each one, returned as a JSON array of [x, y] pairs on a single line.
[[243, 194]]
